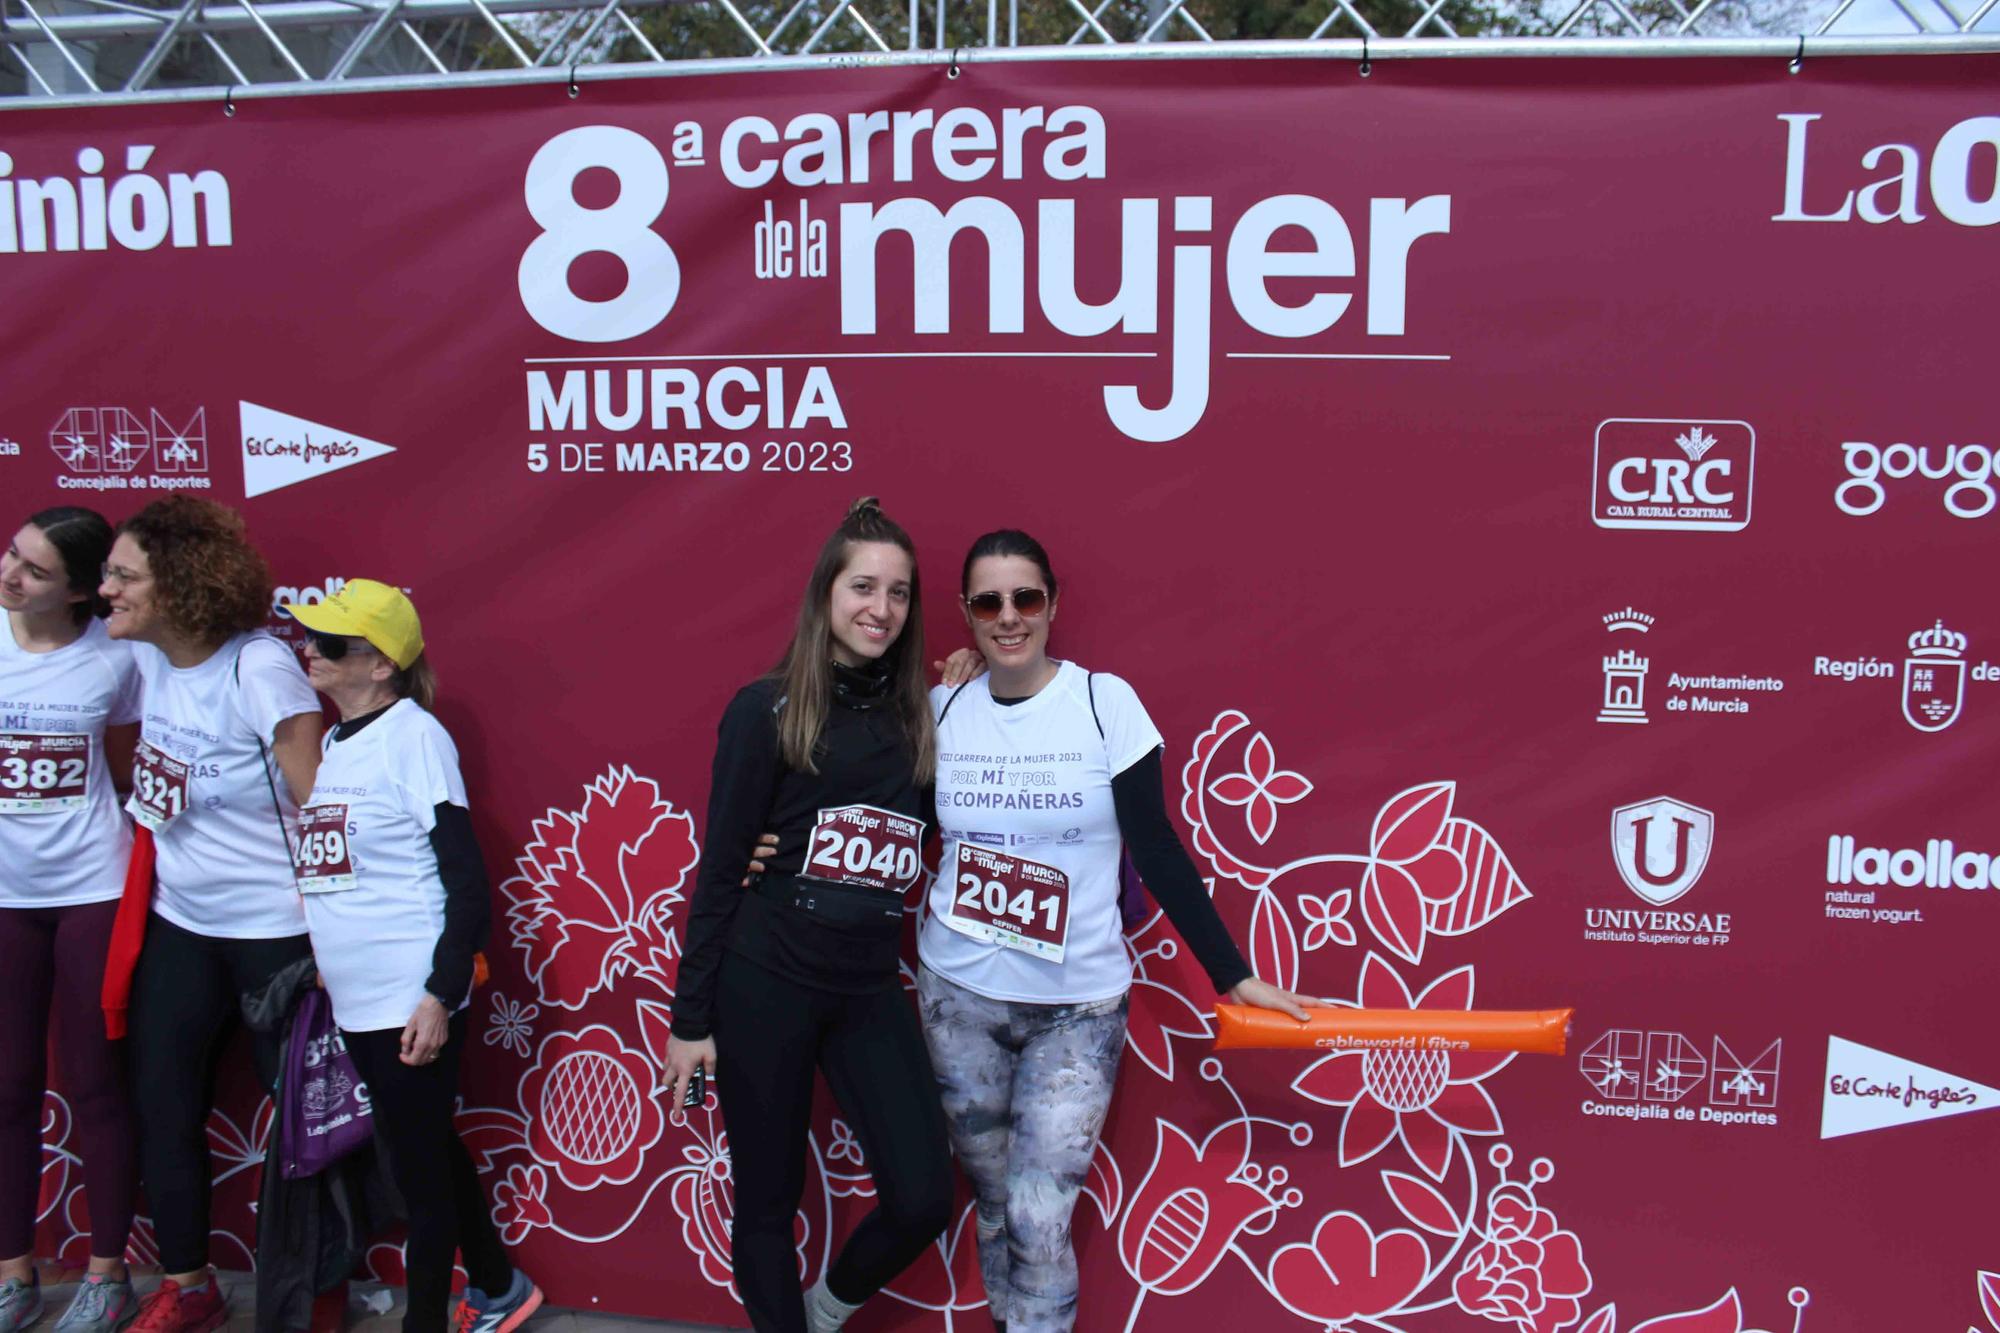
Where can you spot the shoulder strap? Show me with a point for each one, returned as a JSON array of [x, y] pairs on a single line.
[[952, 700], [264, 754], [1090, 688]]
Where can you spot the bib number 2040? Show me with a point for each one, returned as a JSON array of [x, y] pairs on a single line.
[[1010, 901], [865, 846]]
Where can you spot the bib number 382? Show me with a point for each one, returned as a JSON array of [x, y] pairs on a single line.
[[159, 788], [43, 774], [865, 846], [322, 862], [1010, 901]]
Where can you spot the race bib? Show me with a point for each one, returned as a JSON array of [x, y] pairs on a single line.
[[159, 788], [320, 861], [42, 774], [865, 846], [1010, 901]]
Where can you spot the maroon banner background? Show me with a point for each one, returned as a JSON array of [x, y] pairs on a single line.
[[1382, 608]]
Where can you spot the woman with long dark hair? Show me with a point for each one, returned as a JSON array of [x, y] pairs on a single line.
[[1025, 971], [834, 752], [69, 699]]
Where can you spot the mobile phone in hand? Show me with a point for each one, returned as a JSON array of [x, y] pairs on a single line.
[[697, 1089]]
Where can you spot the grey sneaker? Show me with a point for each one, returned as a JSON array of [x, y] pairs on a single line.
[[481, 1313], [20, 1303], [102, 1305]]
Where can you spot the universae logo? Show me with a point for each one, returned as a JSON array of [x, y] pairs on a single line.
[[1661, 847], [1673, 474]]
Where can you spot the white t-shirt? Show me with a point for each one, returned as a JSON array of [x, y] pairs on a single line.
[[374, 934], [62, 838], [1033, 780], [225, 863]]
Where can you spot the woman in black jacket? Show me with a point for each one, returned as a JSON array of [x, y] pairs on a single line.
[[835, 752]]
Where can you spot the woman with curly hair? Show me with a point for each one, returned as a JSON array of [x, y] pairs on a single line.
[[228, 748]]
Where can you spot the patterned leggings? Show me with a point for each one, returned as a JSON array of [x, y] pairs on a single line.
[[1025, 1090]]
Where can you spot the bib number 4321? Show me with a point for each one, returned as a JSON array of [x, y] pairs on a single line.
[[1010, 901], [865, 846], [159, 788]]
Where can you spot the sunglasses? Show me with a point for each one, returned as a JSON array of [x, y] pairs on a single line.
[[332, 647], [988, 605]]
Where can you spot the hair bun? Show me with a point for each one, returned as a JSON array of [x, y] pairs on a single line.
[[867, 505]]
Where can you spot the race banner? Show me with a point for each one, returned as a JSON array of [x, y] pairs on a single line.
[[1546, 506]]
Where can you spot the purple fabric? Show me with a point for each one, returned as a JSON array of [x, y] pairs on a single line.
[[326, 1112], [1134, 903]]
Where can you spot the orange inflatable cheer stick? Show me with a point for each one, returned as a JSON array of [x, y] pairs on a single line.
[[1533, 1031]]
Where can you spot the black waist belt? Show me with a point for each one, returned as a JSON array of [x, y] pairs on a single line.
[[835, 904]]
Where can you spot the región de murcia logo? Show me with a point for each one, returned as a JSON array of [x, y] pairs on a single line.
[[1934, 675]]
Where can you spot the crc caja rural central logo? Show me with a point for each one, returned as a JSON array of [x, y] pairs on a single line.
[[1669, 473]]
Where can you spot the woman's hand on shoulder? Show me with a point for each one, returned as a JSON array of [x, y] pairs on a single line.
[[1263, 995], [683, 1058], [760, 858], [961, 666]]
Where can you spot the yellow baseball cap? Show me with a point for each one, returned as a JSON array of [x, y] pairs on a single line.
[[365, 609]]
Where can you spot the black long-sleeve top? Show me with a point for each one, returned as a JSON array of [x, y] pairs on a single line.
[[864, 758], [1138, 795]]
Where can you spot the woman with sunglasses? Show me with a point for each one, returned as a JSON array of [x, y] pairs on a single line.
[[1044, 771], [227, 749], [397, 901], [834, 752], [69, 702]]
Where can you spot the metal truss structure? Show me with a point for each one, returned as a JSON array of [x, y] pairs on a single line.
[[88, 52]]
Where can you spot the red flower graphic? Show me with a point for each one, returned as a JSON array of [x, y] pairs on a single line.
[[595, 889], [592, 1107], [1349, 1271], [1429, 1098], [1190, 1207], [520, 1203], [1528, 1272]]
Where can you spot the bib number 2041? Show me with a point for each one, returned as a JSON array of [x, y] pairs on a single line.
[[1010, 901]]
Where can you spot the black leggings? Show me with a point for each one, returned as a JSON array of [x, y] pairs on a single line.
[[187, 997], [432, 1170], [769, 1033]]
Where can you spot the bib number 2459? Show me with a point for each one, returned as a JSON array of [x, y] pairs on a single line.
[[1010, 901]]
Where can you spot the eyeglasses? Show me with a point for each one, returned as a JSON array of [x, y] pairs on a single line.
[[124, 578], [333, 647], [988, 605]]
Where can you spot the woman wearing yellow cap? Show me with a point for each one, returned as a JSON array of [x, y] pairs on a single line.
[[396, 900]]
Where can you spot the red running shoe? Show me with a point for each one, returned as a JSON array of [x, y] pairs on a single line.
[[173, 1310]]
